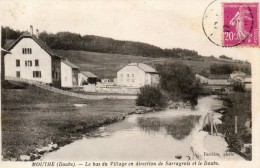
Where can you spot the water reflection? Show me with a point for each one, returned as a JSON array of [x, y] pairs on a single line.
[[153, 136], [178, 127]]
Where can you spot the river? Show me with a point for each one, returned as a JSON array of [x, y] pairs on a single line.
[[162, 135]]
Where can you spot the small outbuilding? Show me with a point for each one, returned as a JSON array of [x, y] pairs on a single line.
[[86, 77], [69, 74]]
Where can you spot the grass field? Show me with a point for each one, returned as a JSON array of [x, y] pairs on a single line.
[[33, 117], [106, 65]]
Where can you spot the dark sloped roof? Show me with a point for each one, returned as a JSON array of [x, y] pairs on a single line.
[[5, 51], [8, 43], [37, 40], [226, 76], [88, 74], [69, 64], [144, 67]]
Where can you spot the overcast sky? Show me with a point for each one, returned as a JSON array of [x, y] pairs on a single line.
[[167, 24]]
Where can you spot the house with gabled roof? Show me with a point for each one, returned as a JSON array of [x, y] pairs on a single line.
[[137, 75], [32, 59], [218, 80], [215, 82]]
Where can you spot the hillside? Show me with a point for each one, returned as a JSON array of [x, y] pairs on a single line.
[[106, 65], [74, 41], [105, 56]]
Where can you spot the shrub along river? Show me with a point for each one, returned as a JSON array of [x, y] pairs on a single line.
[[162, 135]]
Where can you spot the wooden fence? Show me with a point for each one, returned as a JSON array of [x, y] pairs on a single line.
[[65, 92]]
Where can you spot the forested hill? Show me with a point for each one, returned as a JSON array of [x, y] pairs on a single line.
[[73, 41]]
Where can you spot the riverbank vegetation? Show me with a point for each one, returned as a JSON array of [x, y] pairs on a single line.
[[150, 96], [33, 118], [238, 104], [177, 83]]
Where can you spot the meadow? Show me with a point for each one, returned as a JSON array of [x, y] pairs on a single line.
[[33, 118], [106, 65]]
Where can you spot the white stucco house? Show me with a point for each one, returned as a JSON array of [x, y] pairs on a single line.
[[69, 74], [137, 75], [32, 59]]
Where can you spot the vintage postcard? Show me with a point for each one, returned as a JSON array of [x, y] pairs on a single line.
[[130, 83]]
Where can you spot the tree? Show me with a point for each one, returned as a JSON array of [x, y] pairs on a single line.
[[150, 96], [179, 82], [3, 36], [238, 86]]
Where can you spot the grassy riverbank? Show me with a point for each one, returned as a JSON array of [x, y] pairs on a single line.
[[238, 104], [33, 118]]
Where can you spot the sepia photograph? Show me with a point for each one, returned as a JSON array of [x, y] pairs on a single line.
[[129, 83]]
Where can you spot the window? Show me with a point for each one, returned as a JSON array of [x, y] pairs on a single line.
[[17, 63], [28, 63], [36, 62], [37, 74], [27, 51], [18, 74]]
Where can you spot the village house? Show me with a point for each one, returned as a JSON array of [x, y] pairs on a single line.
[[86, 77], [218, 83], [241, 77], [202, 79], [69, 74], [32, 59], [236, 76], [137, 75]]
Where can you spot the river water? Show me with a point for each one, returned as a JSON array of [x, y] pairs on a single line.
[[163, 135]]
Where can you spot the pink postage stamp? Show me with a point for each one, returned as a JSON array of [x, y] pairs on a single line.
[[240, 24]]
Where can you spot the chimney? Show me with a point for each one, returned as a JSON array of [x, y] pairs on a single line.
[[37, 33], [31, 29]]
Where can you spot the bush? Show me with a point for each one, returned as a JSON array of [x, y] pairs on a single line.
[[179, 81], [239, 87], [234, 141], [150, 96]]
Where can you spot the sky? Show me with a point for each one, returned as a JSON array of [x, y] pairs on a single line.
[[167, 23]]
